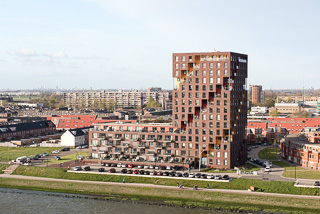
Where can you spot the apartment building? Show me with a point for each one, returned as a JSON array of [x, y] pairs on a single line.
[[256, 94], [209, 117], [297, 149], [120, 98]]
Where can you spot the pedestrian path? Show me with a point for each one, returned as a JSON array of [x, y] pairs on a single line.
[[9, 170]]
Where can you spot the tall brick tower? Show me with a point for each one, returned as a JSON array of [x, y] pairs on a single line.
[[210, 107]]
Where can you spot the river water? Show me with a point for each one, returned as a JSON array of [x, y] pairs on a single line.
[[14, 201]]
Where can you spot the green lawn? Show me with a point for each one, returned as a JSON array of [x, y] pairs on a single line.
[[3, 167], [304, 174], [247, 167], [269, 153], [286, 166], [239, 184], [11, 153], [68, 158]]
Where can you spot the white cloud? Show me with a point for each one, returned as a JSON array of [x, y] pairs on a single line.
[[60, 55], [23, 53]]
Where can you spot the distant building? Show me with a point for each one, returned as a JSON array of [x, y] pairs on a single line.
[[256, 94], [259, 110], [121, 98], [288, 108]]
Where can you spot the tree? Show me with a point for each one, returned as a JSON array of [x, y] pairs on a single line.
[[110, 105], [152, 103], [52, 103], [273, 112]]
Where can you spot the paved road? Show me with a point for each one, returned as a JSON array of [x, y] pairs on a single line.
[[160, 187]]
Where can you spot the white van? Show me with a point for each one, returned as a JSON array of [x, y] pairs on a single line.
[[21, 159]]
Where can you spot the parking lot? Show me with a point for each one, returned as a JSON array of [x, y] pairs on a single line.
[[150, 170]]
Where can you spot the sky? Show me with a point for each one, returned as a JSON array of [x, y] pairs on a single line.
[[128, 44]]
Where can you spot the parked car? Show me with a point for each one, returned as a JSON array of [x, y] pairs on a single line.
[[316, 183], [103, 164], [85, 146], [178, 174], [35, 158], [136, 172], [45, 154], [198, 175], [218, 177], [186, 175], [166, 173], [141, 172], [108, 164], [163, 167], [176, 167], [147, 172], [124, 171], [112, 170], [191, 175], [204, 176], [210, 176], [146, 166], [151, 167], [153, 173], [57, 158], [140, 166], [119, 165], [169, 168], [131, 166], [101, 169], [77, 168], [160, 173], [157, 167], [124, 165], [172, 174], [65, 149], [267, 169], [225, 177], [56, 152], [264, 144], [113, 165], [87, 168]]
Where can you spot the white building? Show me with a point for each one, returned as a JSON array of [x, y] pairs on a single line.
[[258, 109], [75, 137]]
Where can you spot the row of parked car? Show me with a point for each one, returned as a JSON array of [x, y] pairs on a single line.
[[140, 166], [159, 173]]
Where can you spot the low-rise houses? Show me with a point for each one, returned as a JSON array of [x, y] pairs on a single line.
[[75, 137]]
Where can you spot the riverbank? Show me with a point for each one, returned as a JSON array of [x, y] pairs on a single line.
[[178, 197], [235, 184]]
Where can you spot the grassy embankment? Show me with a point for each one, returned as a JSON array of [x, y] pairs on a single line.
[[68, 158], [179, 197], [11, 153], [237, 184], [3, 167]]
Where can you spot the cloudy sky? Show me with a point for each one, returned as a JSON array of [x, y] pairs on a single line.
[[129, 43]]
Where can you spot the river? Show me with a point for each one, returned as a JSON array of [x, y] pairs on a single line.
[[13, 201]]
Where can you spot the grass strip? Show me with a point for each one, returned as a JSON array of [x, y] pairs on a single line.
[[236, 184], [3, 167], [209, 200], [12, 153], [269, 153]]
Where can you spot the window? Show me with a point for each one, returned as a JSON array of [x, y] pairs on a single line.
[[218, 124], [225, 154], [218, 162], [218, 80], [177, 58], [211, 80], [204, 65], [211, 73], [203, 80], [218, 154], [225, 162], [183, 58], [218, 117], [225, 72], [190, 58], [218, 65], [225, 65], [177, 66], [203, 73], [218, 72], [211, 65]]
